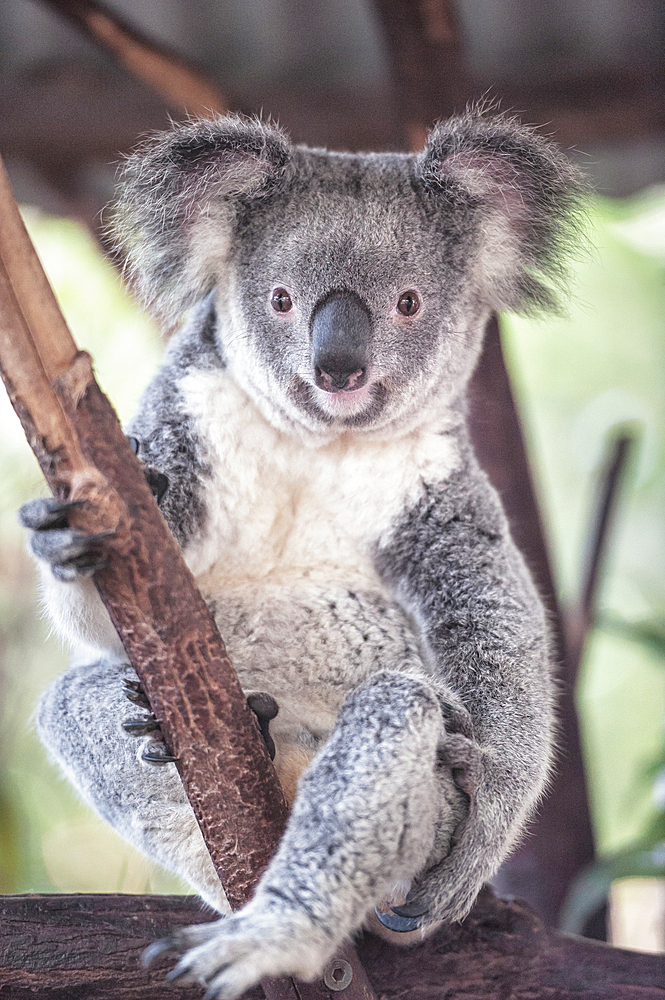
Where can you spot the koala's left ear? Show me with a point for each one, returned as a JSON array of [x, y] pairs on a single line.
[[523, 195], [178, 197]]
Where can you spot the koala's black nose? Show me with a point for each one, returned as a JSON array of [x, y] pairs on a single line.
[[341, 332]]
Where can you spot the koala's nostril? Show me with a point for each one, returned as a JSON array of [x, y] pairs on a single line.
[[338, 380]]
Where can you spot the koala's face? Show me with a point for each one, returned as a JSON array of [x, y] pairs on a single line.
[[351, 289], [346, 303]]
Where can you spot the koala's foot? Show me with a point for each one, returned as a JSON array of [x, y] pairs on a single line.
[[79, 719], [156, 753], [70, 554], [263, 705], [236, 952]]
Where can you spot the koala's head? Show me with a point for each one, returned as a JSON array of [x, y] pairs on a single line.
[[352, 290]]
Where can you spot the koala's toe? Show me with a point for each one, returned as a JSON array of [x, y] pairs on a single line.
[[141, 727], [44, 513], [135, 693], [69, 552]]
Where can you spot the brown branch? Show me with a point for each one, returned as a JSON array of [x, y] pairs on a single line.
[[66, 947], [151, 596], [619, 451], [166, 629], [182, 86], [580, 618]]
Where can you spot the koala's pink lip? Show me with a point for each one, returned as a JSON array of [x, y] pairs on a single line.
[[342, 402]]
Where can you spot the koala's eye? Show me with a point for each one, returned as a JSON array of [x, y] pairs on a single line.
[[281, 300], [408, 303]]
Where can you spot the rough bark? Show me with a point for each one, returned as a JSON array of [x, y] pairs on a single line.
[[165, 626], [71, 947]]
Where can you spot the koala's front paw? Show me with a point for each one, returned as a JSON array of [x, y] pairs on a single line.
[[463, 856], [236, 952], [69, 553]]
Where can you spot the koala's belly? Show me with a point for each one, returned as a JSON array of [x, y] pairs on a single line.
[[308, 647]]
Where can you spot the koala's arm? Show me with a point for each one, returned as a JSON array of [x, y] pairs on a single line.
[[452, 563], [164, 437]]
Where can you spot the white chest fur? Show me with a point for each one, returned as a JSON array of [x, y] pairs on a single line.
[[285, 557], [280, 509]]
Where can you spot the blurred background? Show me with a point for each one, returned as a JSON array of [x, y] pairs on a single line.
[[358, 75]]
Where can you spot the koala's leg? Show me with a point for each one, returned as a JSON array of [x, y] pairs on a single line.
[[371, 811], [80, 720]]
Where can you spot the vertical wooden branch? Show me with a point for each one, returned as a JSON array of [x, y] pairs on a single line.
[[168, 633], [165, 626]]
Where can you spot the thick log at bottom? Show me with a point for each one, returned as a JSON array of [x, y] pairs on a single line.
[[71, 947]]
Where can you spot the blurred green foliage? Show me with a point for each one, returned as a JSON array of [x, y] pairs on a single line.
[[575, 379]]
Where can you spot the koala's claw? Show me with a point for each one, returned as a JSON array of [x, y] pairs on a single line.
[[45, 513], [157, 481], [135, 693], [264, 708], [396, 922], [69, 553], [179, 942], [158, 754], [410, 909], [139, 727]]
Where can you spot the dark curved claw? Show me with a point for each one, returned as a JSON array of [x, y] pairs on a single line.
[[157, 481], [139, 727], [161, 756], [181, 973], [135, 693], [410, 909], [156, 949], [396, 923], [264, 708], [213, 992]]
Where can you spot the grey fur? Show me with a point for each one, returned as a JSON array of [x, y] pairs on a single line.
[[356, 559]]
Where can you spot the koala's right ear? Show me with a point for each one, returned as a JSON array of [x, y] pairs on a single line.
[[177, 199]]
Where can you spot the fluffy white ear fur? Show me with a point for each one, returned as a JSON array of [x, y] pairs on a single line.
[[528, 200], [179, 192]]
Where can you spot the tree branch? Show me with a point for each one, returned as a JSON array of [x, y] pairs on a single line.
[[168, 633], [181, 85], [69, 947]]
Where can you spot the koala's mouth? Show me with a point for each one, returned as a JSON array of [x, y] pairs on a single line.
[[356, 408]]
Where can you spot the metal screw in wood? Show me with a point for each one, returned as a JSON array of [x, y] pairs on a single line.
[[338, 974]]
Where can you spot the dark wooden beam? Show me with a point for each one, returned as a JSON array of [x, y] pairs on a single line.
[[76, 947]]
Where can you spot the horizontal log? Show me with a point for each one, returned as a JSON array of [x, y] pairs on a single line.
[[70, 947]]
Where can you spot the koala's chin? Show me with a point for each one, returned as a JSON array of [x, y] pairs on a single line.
[[360, 409]]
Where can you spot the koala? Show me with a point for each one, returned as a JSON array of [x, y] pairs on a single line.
[[306, 436]]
